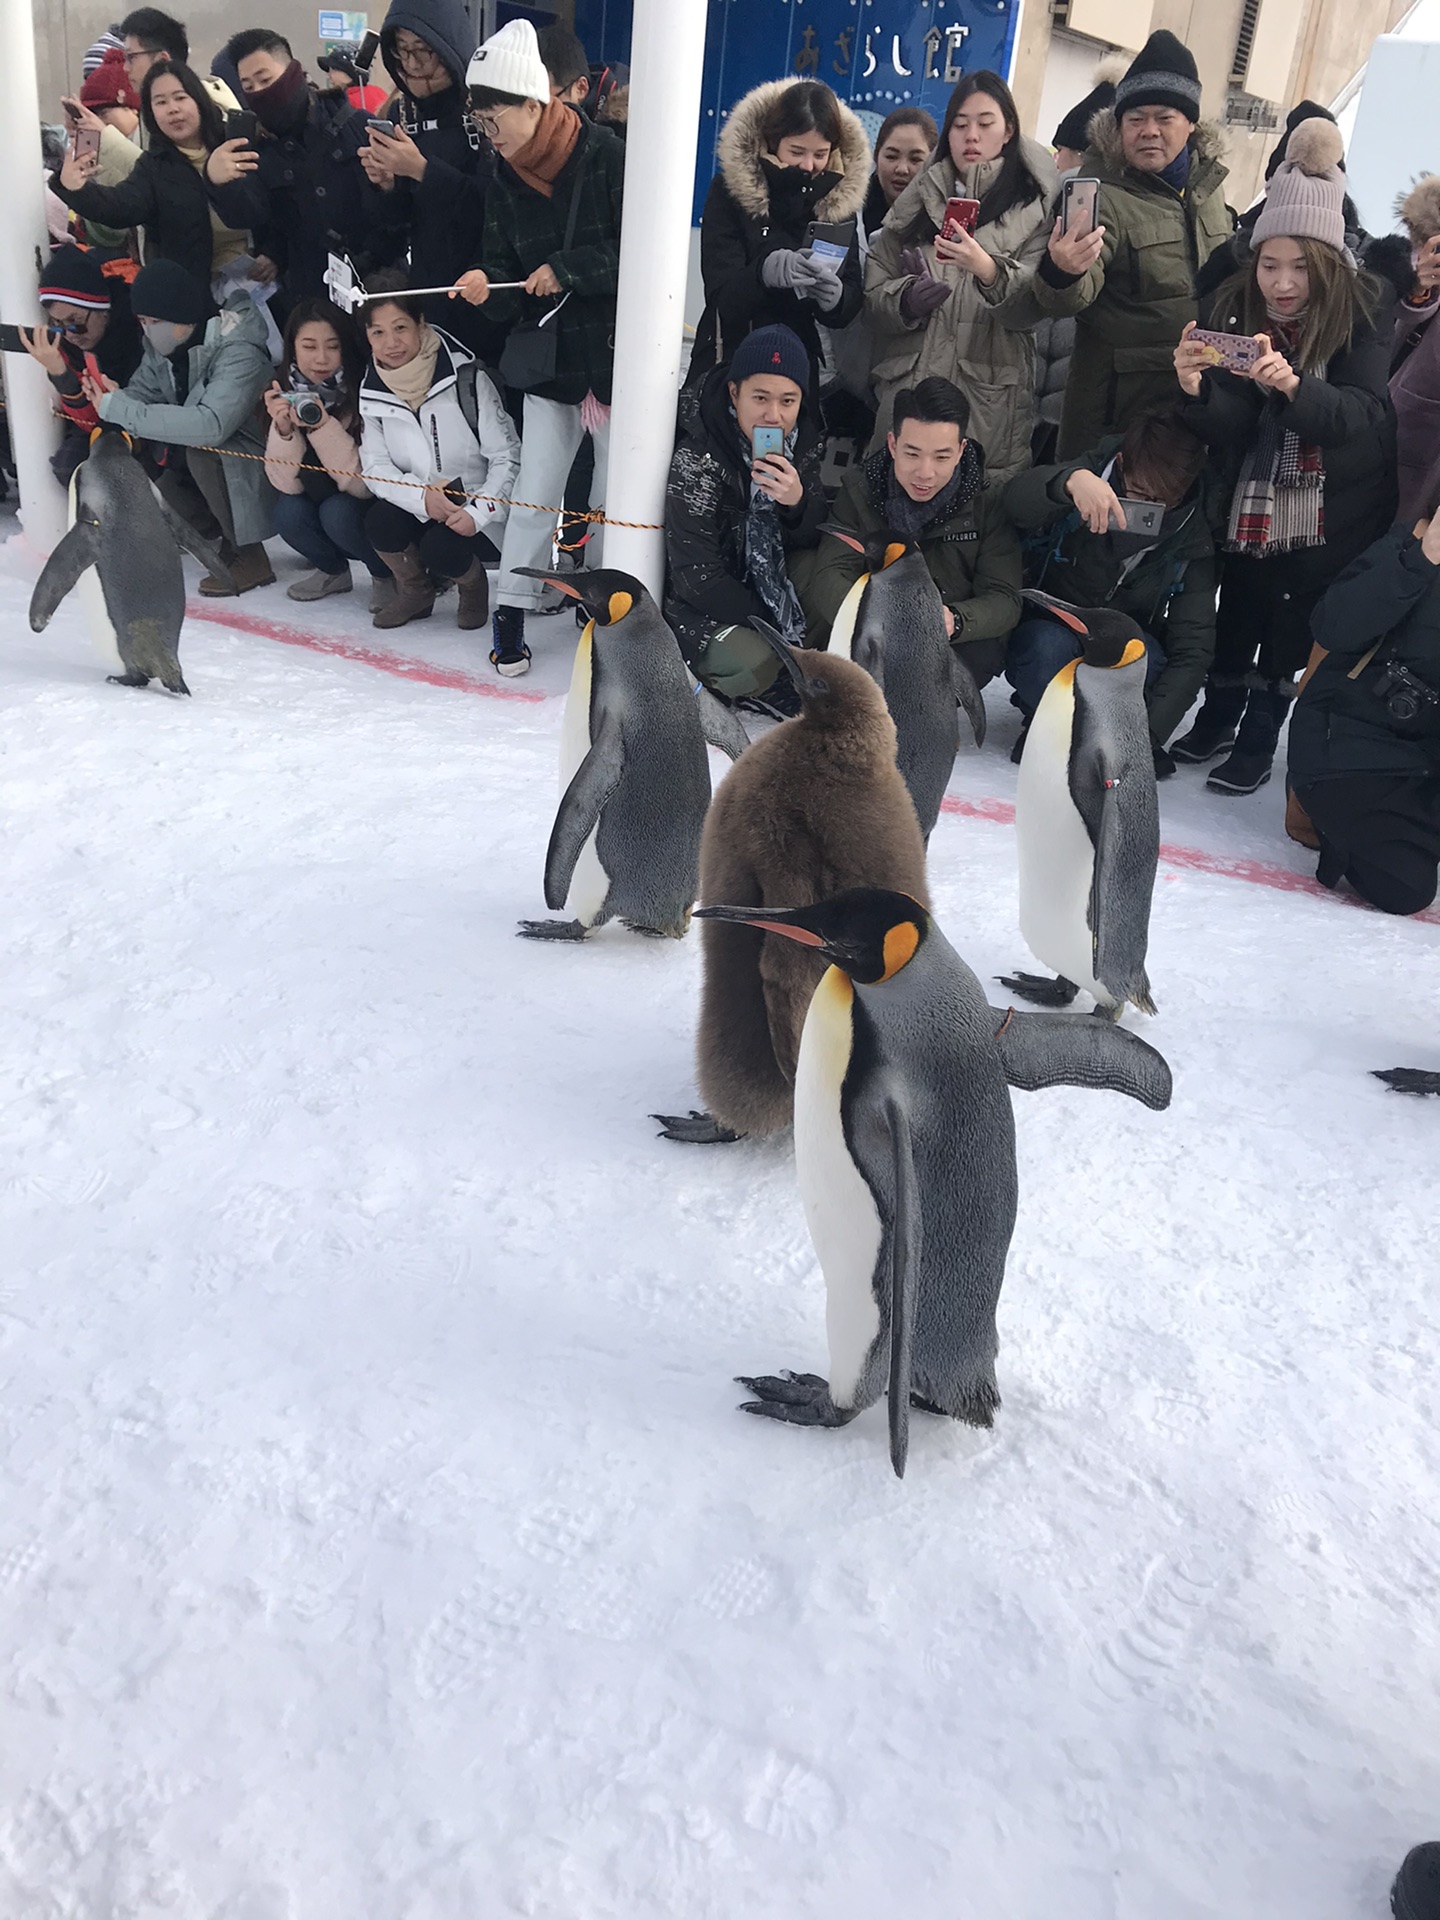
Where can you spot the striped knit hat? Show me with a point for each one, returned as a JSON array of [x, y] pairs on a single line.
[[74, 276], [1162, 74]]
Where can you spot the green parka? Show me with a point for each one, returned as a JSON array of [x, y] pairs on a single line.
[[1132, 305]]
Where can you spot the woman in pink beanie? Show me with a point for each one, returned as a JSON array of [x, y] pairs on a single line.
[[1305, 437]]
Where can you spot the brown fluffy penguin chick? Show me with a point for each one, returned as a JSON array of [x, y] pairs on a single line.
[[815, 806]]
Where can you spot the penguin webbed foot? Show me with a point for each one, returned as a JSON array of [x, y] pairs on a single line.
[[131, 679], [552, 930], [695, 1129], [800, 1399], [1040, 991], [1408, 1079], [654, 933], [922, 1405]]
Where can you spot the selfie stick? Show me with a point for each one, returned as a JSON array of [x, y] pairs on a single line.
[[347, 293]]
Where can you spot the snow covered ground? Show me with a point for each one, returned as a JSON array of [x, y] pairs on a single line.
[[379, 1538]]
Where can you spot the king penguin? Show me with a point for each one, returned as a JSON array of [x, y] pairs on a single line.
[[817, 805], [1087, 821], [634, 777], [131, 537], [905, 1153], [892, 623]]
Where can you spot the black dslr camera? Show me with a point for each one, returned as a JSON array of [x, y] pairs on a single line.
[[1413, 706]]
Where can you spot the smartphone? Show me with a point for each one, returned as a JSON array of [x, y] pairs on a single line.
[[767, 440], [454, 491], [244, 126], [1079, 205], [1142, 516], [961, 216], [1236, 352], [369, 47], [84, 140], [829, 239], [385, 128], [10, 341]]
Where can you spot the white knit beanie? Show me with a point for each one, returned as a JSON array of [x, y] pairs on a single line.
[[510, 62]]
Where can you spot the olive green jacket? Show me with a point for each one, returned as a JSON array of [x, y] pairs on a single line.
[[1132, 305]]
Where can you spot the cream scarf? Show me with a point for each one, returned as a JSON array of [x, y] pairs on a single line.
[[412, 382]]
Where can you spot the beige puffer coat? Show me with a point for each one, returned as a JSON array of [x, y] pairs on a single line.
[[965, 340]]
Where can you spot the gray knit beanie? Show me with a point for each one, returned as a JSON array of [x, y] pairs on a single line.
[[1306, 199]]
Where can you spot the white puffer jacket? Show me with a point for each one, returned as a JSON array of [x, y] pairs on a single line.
[[403, 451]]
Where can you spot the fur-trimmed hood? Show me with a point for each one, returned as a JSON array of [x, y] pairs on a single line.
[[1207, 142], [1420, 209], [742, 151]]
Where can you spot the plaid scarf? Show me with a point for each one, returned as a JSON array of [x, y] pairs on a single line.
[[766, 573], [1279, 502]]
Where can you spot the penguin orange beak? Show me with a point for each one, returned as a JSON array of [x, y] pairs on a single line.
[[747, 917], [554, 579]]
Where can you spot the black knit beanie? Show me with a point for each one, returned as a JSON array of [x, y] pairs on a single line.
[[165, 291], [74, 276], [1162, 74], [771, 350]]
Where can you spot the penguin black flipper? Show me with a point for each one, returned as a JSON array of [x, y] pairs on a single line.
[[186, 538], [78, 550], [906, 1246], [596, 779], [1119, 954], [720, 726], [1408, 1079], [967, 695], [1075, 1050]]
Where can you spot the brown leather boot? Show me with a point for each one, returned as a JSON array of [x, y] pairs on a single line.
[[247, 566], [474, 598], [414, 591]]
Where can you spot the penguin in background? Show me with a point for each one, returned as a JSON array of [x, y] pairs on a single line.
[[1087, 821], [816, 806], [892, 623], [905, 1153], [634, 777], [132, 538]]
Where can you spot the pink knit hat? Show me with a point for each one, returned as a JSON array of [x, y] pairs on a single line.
[[1307, 194]]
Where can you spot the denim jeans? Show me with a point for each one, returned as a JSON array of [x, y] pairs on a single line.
[[548, 445], [1039, 647], [328, 533]]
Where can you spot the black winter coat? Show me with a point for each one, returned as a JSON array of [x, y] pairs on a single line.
[[1389, 601], [755, 208], [1347, 414], [308, 197], [441, 217], [164, 194], [707, 500]]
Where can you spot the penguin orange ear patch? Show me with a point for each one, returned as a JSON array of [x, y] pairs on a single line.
[[1134, 650], [895, 551], [899, 948], [620, 605]]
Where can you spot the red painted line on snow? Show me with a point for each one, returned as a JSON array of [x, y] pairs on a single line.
[[1256, 873], [403, 666]]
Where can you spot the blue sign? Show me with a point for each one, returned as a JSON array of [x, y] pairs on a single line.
[[875, 54]]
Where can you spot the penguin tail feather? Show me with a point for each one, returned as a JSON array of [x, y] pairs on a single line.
[[1142, 999]]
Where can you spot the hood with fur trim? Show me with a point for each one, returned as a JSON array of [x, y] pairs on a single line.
[[742, 149], [1207, 142], [1420, 209]]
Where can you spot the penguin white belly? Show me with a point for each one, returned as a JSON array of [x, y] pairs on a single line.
[[840, 1209], [92, 599], [842, 633], [1057, 859], [589, 883]]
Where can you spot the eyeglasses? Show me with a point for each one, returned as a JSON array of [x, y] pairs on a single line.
[[415, 53], [143, 53], [487, 122]]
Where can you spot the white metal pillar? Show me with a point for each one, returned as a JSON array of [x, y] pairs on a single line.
[[666, 62], [28, 393]]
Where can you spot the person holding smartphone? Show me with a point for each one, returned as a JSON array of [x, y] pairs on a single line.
[[91, 325], [935, 290], [1093, 555], [1305, 437], [1415, 349], [743, 510]]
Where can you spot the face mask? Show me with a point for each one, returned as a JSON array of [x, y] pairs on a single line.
[[165, 336]]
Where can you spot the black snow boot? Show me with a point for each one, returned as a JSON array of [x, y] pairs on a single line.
[[1214, 730], [1256, 739], [1416, 1892]]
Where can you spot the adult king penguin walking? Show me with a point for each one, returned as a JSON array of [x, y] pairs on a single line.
[[634, 778], [905, 1152]]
